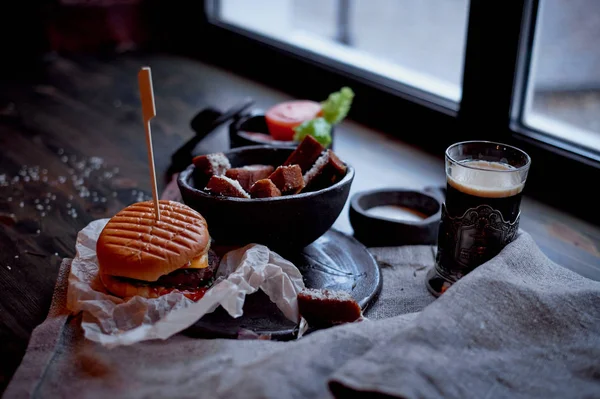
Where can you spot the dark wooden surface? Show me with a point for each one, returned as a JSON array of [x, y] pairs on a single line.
[[72, 150]]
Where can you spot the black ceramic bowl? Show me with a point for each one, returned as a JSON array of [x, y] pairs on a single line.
[[251, 129], [281, 223], [378, 231]]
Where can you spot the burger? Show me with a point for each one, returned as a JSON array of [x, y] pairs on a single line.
[[139, 255]]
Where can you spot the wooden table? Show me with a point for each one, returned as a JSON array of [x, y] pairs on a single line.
[[72, 150]]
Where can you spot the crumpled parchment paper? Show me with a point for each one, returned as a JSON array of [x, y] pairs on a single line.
[[113, 321]]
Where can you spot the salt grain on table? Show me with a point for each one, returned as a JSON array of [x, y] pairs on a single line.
[[87, 167]]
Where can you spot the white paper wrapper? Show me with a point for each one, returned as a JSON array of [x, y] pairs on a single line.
[[112, 321]]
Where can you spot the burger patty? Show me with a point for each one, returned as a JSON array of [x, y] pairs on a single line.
[[188, 279]]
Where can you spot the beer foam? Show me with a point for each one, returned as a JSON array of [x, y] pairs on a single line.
[[485, 179]]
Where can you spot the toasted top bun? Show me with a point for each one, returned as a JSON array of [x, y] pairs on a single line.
[[133, 244]]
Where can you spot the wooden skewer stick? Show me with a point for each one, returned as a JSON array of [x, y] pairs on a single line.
[[149, 112]]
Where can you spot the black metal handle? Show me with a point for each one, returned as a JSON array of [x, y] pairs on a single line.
[[203, 123], [202, 130]]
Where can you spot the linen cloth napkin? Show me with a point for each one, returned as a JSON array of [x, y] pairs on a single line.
[[519, 326]]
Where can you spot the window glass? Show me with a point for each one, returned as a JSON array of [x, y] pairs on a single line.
[[415, 42], [563, 94]]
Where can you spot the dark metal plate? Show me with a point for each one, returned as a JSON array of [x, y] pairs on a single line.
[[335, 261]]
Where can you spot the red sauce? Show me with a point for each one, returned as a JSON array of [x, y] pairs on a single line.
[[194, 295], [261, 137]]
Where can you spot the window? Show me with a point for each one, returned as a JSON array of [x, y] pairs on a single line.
[[563, 90], [433, 72], [413, 42]]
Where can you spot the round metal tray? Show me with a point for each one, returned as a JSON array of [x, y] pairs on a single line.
[[334, 261]]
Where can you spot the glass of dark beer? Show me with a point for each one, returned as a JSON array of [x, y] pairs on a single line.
[[481, 213]]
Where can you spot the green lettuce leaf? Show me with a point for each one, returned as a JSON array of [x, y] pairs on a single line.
[[319, 128], [337, 105]]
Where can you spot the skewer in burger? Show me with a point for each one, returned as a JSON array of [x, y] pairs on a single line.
[[138, 255]]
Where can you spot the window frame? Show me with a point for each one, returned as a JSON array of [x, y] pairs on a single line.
[[523, 74], [499, 40]]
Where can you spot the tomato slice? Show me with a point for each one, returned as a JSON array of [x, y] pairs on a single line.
[[284, 117]]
